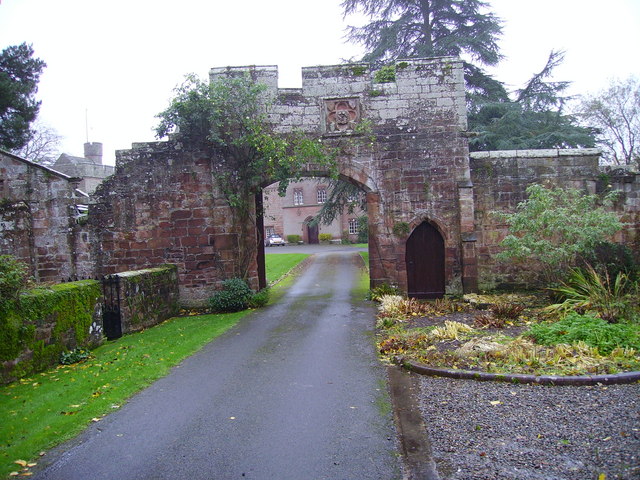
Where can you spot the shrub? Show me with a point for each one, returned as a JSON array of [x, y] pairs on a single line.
[[589, 329], [610, 258], [507, 311], [553, 226], [587, 290], [13, 277], [293, 238], [74, 356], [259, 299], [487, 319], [325, 237], [233, 297], [378, 292]]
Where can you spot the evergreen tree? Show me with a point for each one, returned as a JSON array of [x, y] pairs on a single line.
[[535, 119], [19, 76], [433, 28]]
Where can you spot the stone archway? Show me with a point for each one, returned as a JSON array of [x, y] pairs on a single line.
[[163, 204]]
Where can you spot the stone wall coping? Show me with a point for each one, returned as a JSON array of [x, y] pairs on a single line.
[[41, 167], [145, 271], [542, 153]]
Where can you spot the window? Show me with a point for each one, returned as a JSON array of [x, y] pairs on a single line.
[[353, 226], [322, 195], [269, 231], [298, 198]]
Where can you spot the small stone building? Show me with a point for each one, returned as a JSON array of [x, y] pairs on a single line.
[[89, 168]]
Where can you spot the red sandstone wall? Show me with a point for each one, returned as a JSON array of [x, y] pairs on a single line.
[[500, 180], [37, 222]]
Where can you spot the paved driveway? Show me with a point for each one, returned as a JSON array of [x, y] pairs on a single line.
[[295, 391], [315, 248]]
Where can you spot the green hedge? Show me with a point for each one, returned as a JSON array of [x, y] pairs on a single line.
[[41, 323]]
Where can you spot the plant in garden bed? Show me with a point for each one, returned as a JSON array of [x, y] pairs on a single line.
[[236, 295], [501, 341], [585, 290]]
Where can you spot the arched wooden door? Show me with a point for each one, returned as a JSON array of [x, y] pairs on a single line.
[[425, 262], [312, 233]]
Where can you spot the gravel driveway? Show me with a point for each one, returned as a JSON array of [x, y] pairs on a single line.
[[494, 431]]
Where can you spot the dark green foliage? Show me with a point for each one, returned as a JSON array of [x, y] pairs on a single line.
[[259, 299], [380, 291], [19, 76], [74, 356], [611, 259], [293, 239], [589, 329], [13, 277], [363, 229], [233, 297], [432, 28], [534, 120]]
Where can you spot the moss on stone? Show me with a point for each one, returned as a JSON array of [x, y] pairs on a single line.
[[43, 322]]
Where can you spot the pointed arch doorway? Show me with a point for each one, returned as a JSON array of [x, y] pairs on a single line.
[[425, 262]]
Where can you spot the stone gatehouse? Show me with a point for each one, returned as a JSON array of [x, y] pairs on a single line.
[[428, 200]]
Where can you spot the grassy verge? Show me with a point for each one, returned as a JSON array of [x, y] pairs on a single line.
[[44, 410], [279, 264], [54, 406]]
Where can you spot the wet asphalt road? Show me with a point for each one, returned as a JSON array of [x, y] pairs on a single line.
[[295, 391]]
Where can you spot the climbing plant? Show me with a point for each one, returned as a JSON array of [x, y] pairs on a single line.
[[228, 118]]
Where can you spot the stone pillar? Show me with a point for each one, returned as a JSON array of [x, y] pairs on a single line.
[[468, 237]]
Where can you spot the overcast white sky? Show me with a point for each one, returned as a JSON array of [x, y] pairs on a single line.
[[119, 60]]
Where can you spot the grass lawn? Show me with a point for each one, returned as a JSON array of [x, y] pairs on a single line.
[[41, 411], [278, 264]]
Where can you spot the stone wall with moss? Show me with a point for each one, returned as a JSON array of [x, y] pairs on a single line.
[[41, 323], [148, 297]]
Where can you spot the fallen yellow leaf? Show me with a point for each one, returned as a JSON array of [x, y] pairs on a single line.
[[602, 476], [495, 402], [22, 463]]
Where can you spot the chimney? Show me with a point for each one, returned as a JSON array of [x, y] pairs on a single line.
[[93, 151]]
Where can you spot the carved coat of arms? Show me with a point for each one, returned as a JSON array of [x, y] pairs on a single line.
[[342, 115]]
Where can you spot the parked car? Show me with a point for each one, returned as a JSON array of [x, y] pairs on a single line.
[[276, 240]]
